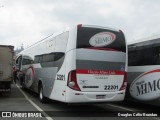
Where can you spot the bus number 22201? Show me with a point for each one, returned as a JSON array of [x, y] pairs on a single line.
[[111, 87]]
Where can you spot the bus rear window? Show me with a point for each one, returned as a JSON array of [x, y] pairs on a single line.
[[88, 37]]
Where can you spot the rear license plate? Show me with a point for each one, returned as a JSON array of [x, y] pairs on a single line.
[[100, 96]]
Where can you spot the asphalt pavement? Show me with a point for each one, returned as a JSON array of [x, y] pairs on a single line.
[[24, 104]]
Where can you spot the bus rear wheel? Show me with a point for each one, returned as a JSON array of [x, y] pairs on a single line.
[[41, 96]]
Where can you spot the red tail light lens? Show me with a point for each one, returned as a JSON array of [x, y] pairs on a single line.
[[79, 25], [124, 85], [72, 80], [121, 32]]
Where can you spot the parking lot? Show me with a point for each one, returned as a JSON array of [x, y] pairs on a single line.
[[23, 103]]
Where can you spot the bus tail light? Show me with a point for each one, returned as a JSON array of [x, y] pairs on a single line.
[[79, 25], [121, 32], [72, 80], [124, 85]]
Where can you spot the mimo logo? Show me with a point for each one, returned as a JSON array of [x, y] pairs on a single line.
[[102, 39]]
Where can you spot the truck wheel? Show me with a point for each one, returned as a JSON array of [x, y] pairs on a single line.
[[41, 96], [7, 88]]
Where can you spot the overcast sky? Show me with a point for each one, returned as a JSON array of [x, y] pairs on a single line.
[[28, 21]]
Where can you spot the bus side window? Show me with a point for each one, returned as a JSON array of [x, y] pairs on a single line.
[[156, 55], [36, 59], [48, 57], [51, 57], [58, 56], [144, 53], [134, 56], [27, 62], [40, 59]]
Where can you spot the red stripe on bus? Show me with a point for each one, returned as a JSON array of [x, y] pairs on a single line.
[[158, 70], [103, 72]]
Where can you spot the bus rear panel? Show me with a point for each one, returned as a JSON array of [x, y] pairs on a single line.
[[99, 70]]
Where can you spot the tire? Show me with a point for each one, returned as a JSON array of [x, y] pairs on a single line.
[[42, 98]]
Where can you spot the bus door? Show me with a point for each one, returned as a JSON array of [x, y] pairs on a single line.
[[19, 69]]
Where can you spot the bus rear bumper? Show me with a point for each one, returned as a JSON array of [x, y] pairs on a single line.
[[80, 97]]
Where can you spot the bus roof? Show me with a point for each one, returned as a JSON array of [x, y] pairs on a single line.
[[152, 37], [66, 29], [83, 25]]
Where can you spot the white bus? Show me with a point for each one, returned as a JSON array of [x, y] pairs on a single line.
[[144, 70], [81, 64]]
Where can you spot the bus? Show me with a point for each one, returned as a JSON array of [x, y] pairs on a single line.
[[80, 64], [144, 70]]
